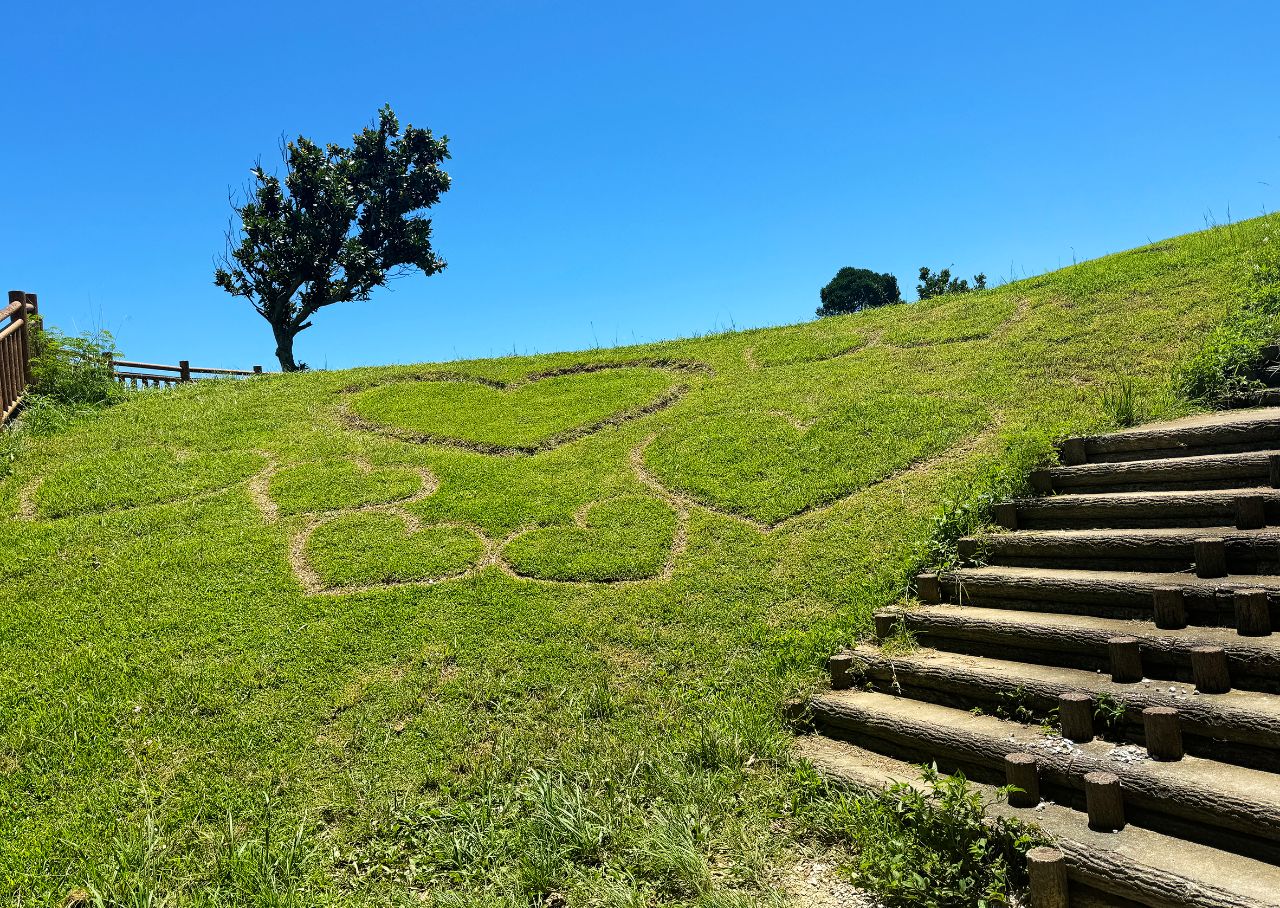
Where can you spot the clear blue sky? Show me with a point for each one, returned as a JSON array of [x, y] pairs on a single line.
[[621, 173]]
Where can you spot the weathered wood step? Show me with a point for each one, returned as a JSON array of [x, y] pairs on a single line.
[[1145, 548], [1211, 471], [1080, 641], [1263, 397], [1239, 726], [1212, 433], [1136, 864], [1233, 807], [1189, 508], [1109, 594]]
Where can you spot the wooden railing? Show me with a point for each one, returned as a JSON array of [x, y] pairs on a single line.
[[153, 375], [15, 351]]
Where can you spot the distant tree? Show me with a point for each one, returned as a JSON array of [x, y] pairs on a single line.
[[936, 284], [855, 289], [343, 222]]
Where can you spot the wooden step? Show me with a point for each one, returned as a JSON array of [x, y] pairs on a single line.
[[1212, 471], [1145, 867], [1189, 508], [1232, 807], [1239, 726], [1212, 433], [1107, 594], [1080, 641], [1164, 549], [1263, 397]]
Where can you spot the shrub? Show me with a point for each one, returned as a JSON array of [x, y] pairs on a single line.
[[73, 369], [941, 282], [855, 289], [71, 377], [932, 845]]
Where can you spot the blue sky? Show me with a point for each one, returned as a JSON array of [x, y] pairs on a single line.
[[621, 172]]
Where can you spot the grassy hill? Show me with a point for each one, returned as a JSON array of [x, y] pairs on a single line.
[[518, 631]]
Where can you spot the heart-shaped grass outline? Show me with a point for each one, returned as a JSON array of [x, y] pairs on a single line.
[[28, 508], [679, 496], [562, 438], [581, 521], [313, 583], [427, 485]]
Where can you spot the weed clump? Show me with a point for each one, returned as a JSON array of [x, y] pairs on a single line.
[[931, 845], [71, 379], [1234, 352]]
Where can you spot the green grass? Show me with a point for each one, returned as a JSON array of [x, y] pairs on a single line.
[[533, 413], [370, 549], [233, 675], [336, 484], [620, 539]]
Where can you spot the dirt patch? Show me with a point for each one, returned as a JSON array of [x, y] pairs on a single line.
[[817, 884]]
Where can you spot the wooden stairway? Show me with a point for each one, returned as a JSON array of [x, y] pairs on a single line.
[[1111, 653]]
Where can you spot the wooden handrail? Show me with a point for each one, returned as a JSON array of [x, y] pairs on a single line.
[[185, 372], [148, 376], [182, 369], [257, 370], [12, 327], [133, 365], [15, 352]]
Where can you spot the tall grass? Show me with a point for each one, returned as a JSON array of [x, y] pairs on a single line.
[[1231, 358]]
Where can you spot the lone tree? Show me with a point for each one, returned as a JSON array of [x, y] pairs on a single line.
[[941, 282], [855, 289], [343, 222]]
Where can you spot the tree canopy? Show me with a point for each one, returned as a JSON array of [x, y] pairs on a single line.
[[855, 289], [940, 282], [341, 223]]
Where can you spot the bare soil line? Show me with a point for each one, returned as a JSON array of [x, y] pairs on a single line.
[[449, 375], [874, 341], [312, 584], [359, 423]]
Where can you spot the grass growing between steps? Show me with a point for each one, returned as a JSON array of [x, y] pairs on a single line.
[[261, 645]]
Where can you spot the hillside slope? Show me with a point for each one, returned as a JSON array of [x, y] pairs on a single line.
[[480, 633]]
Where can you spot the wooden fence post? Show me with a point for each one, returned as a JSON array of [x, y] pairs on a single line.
[[1047, 869], [184, 370]]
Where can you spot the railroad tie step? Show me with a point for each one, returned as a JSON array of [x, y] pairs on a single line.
[[1139, 865], [1207, 601], [1151, 549], [1084, 642], [1234, 807], [1213, 471], [1217, 433], [1141, 508], [1232, 725]]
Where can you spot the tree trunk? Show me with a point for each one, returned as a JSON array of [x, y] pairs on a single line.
[[284, 348]]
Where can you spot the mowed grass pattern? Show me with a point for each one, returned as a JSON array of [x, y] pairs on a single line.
[[527, 415], [183, 722]]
